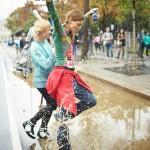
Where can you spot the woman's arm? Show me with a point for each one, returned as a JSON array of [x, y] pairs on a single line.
[[86, 17], [54, 15], [39, 58]]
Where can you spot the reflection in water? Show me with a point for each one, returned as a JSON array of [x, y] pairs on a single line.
[[44, 144], [119, 121]]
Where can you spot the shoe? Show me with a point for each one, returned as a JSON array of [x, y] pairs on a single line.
[[60, 116], [29, 128], [63, 115], [63, 137], [43, 133]]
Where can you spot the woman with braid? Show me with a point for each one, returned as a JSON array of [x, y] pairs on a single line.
[[63, 83]]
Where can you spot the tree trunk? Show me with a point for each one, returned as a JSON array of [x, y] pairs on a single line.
[[85, 33]]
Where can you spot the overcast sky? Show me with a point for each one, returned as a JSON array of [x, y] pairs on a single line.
[[7, 6]]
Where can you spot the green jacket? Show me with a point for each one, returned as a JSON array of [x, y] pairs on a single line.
[[147, 40], [43, 60], [62, 41]]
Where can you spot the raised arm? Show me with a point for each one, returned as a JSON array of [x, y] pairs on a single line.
[[86, 17], [54, 15]]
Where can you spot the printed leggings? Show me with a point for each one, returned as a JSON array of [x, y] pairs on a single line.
[[44, 113]]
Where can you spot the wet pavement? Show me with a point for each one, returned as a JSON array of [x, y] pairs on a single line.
[[5, 130], [120, 120]]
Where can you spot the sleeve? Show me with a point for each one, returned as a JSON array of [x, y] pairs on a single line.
[[41, 59], [103, 37], [54, 15], [85, 22]]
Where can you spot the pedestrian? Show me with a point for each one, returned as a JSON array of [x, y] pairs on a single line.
[[147, 43], [140, 39], [43, 60], [75, 46], [17, 46], [91, 37], [101, 41], [108, 42], [64, 84], [22, 42], [96, 41], [121, 38]]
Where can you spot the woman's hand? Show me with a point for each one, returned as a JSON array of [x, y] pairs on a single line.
[[91, 12]]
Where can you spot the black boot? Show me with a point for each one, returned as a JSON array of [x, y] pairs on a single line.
[[29, 128], [43, 133], [63, 138]]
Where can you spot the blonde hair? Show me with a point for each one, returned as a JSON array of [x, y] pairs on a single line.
[[40, 26]]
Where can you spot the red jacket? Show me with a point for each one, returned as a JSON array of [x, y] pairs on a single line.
[[60, 86]]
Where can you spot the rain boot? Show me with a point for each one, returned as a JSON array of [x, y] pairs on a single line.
[[63, 138], [29, 128]]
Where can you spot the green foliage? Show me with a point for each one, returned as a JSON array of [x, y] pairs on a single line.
[[29, 23], [94, 28], [118, 12], [22, 17]]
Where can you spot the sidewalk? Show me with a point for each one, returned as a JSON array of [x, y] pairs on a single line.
[[9, 137], [96, 67]]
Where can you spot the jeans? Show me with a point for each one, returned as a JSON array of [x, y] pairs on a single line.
[[109, 48], [147, 49], [141, 49], [75, 50], [87, 100]]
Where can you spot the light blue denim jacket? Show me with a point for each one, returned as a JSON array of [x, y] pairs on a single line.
[[43, 60]]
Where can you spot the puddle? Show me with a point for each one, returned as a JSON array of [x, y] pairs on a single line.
[[119, 121]]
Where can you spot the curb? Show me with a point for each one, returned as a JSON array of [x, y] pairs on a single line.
[[13, 126], [132, 91]]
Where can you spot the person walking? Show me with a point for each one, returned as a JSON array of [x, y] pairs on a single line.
[[17, 46], [101, 41], [96, 41], [75, 46], [147, 43], [44, 61], [90, 38], [121, 37], [108, 42], [22, 42], [140, 39]]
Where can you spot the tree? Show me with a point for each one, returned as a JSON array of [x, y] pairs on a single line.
[[85, 35], [21, 17]]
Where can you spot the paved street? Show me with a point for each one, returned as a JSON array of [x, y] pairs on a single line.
[[20, 105], [21, 101]]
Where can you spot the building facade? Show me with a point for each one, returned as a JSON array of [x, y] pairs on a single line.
[[5, 34]]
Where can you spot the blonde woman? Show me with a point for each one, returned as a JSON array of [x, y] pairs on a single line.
[[44, 61]]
